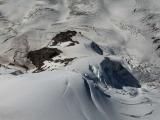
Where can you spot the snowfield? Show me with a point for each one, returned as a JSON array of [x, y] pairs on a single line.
[[79, 59]]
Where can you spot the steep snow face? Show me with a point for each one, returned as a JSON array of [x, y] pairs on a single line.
[[79, 59], [66, 95]]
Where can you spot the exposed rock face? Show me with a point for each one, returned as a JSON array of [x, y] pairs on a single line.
[[65, 37], [101, 59], [64, 61], [39, 56]]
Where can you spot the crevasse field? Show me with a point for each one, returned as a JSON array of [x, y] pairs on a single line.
[[79, 59]]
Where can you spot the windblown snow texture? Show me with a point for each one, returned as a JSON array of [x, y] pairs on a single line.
[[79, 59]]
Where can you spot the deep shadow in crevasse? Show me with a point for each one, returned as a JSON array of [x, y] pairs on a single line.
[[116, 75]]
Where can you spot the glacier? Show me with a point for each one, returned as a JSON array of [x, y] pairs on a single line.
[[79, 59]]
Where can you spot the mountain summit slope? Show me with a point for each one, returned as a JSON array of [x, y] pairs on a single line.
[[79, 59]]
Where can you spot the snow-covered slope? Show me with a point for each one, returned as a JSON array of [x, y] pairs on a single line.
[[79, 59]]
